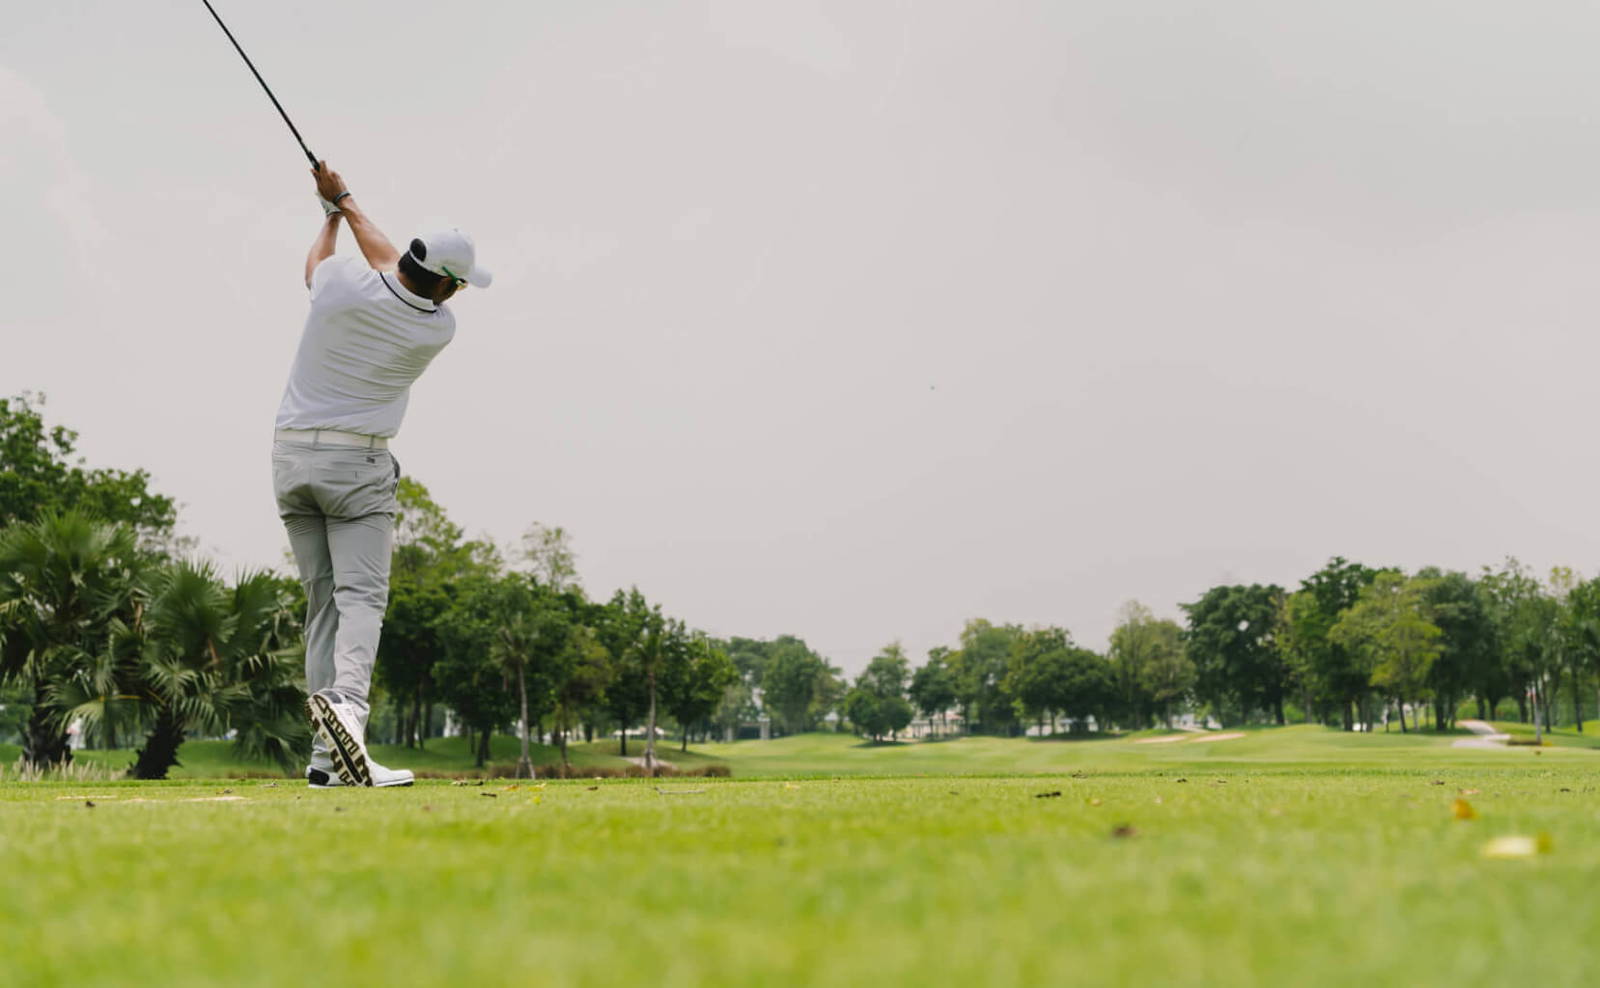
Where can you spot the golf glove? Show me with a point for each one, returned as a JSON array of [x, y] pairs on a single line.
[[328, 208]]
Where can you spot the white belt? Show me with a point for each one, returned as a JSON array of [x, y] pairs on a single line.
[[331, 437]]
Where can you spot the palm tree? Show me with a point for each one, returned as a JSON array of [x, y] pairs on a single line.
[[217, 659], [70, 588]]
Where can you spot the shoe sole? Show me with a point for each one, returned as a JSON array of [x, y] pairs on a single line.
[[348, 762]]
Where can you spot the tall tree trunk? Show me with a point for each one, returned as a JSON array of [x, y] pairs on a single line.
[[44, 739], [1577, 706], [622, 733], [483, 747], [1481, 714], [427, 718], [160, 751], [650, 730], [525, 763], [1522, 708]]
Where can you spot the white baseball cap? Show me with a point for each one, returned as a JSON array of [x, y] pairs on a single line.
[[450, 253]]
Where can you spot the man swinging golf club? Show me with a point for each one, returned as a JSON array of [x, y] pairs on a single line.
[[375, 324]]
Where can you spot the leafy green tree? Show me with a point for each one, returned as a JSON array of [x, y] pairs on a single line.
[[789, 682], [1087, 688], [933, 685], [1036, 673], [663, 645], [1149, 668], [980, 667], [749, 656], [431, 558], [548, 552], [1526, 627], [1583, 635], [40, 475], [696, 683], [736, 706], [1467, 646], [828, 696], [1328, 672], [532, 632], [1230, 639], [65, 581], [584, 676], [620, 627], [1167, 676], [877, 704], [1392, 627], [469, 679]]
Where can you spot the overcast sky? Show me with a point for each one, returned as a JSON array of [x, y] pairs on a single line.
[[855, 320]]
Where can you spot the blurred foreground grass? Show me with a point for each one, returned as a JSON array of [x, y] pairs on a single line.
[[1327, 874]]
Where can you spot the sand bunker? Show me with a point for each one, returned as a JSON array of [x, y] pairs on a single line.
[[1202, 739], [1166, 739]]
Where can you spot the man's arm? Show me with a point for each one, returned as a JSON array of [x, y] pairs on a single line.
[[377, 249], [322, 247]]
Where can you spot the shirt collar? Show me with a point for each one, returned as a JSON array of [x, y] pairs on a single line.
[[405, 294]]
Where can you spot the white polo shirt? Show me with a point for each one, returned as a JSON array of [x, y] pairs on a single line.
[[366, 339]]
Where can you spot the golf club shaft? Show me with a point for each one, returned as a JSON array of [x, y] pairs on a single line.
[[309, 156]]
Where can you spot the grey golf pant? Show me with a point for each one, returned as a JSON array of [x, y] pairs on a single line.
[[338, 505]]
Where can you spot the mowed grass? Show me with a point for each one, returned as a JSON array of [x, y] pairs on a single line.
[[1294, 856], [843, 755]]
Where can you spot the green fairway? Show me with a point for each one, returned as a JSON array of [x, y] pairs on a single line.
[[1229, 876], [830, 755]]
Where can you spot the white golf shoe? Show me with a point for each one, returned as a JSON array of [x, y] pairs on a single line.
[[340, 727]]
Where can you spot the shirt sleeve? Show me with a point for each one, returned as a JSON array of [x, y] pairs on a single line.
[[334, 270]]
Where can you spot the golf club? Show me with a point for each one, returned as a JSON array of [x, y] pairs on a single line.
[[311, 157]]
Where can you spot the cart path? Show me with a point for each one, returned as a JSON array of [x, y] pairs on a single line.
[[1483, 736]]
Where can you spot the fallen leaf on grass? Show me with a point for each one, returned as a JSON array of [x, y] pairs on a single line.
[[1183, 780], [1047, 795], [1462, 810], [1094, 802], [593, 788], [467, 782], [1124, 830], [506, 789], [89, 803], [1436, 782], [1517, 846], [491, 795], [1469, 792], [269, 785]]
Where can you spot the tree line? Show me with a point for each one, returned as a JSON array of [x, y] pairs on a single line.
[[107, 622]]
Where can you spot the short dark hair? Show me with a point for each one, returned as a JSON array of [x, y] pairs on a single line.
[[426, 281]]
